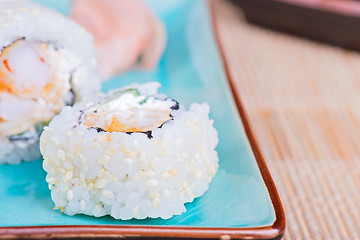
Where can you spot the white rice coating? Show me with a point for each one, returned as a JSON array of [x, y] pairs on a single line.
[[24, 19], [129, 176]]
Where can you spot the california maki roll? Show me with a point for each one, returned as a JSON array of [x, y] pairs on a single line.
[[132, 153], [46, 62]]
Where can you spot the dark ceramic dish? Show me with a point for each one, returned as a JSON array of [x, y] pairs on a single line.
[[335, 22]]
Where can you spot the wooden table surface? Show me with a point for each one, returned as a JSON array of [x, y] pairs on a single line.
[[303, 101]]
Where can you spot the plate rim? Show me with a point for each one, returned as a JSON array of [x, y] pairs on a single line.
[[275, 231]]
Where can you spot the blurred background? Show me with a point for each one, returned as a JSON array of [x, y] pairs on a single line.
[[296, 68]]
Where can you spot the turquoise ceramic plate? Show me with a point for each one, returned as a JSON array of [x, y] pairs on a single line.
[[238, 200]]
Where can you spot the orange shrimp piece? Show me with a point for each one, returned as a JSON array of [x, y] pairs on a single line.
[[116, 126], [124, 31], [7, 65], [4, 86]]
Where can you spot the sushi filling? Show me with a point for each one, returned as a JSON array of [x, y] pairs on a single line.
[[35, 84], [128, 111]]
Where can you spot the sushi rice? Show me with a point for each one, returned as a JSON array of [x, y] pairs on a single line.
[[132, 153], [46, 62]]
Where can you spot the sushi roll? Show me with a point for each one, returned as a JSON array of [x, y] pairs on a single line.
[[132, 153], [46, 62]]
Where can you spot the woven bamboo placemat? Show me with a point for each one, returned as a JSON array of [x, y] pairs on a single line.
[[303, 102]]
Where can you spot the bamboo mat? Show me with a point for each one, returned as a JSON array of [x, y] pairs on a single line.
[[303, 102]]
